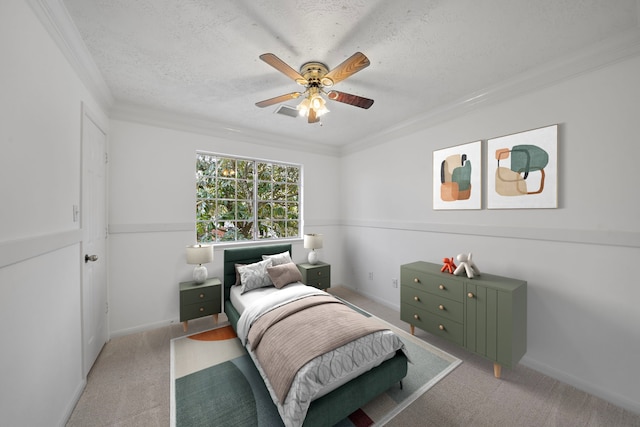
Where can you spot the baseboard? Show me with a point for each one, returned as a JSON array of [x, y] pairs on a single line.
[[142, 328], [380, 301], [580, 384], [72, 404]]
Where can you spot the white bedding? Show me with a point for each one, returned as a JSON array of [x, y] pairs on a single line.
[[324, 373], [242, 301]]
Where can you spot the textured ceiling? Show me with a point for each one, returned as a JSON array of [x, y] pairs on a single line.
[[199, 58]]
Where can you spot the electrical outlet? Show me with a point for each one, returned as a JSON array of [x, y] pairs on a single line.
[[394, 282], [371, 275]]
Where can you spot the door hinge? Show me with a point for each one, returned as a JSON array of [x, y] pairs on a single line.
[[106, 306], [106, 158]]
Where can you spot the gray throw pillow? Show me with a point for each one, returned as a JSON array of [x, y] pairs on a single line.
[[283, 274], [254, 276]]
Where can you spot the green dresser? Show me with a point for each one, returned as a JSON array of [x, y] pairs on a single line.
[[318, 275], [200, 300], [487, 315]]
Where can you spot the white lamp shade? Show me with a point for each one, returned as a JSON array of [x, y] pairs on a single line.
[[313, 241], [199, 254]]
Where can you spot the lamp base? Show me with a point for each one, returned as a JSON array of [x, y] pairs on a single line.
[[200, 274], [313, 257]]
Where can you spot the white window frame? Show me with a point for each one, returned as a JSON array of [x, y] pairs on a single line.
[[216, 224]]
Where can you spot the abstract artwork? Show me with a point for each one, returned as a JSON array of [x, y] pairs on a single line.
[[457, 177], [522, 170]]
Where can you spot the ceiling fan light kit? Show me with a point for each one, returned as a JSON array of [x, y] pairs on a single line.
[[315, 77]]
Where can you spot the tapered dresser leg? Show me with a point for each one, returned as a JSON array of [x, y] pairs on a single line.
[[497, 370]]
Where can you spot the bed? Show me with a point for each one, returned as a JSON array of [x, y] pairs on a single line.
[[333, 404]]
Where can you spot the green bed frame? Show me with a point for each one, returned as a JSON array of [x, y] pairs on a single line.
[[341, 402]]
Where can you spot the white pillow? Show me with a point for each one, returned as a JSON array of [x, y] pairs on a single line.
[[283, 258], [254, 276]]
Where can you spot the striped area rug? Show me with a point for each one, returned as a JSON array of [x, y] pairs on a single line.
[[214, 383]]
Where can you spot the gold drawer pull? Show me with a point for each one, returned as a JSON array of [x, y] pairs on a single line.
[[201, 295], [441, 307], [416, 298], [415, 316], [319, 273], [441, 327], [470, 294], [416, 280], [201, 309], [441, 287]]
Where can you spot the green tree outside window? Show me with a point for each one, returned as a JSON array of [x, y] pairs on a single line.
[[240, 199]]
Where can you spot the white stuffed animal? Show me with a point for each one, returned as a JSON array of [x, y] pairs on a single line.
[[466, 265]]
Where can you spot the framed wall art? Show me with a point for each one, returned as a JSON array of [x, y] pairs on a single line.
[[457, 177], [522, 170]]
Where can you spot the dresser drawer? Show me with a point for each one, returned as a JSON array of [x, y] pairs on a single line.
[[441, 284], [440, 306], [437, 325], [193, 296], [318, 275], [193, 311]]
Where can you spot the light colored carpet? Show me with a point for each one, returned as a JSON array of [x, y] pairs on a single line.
[[129, 386]]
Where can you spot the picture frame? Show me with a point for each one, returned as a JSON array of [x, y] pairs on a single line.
[[522, 170], [457, 177]]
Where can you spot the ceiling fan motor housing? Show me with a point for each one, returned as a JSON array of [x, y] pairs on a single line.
[[313, 72]]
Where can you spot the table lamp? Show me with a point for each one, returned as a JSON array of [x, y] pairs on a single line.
[[313, 242], [198, 255]]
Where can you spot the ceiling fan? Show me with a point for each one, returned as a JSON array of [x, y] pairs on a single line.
[[316, 77]]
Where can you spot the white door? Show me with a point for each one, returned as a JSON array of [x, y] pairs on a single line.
[[94, 234]]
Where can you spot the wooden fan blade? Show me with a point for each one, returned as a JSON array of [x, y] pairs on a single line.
[[282, 66], [350, 99], [312, 116], [350, 66], [278, 99]]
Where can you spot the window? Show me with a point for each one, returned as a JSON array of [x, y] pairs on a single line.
[[240, 199]]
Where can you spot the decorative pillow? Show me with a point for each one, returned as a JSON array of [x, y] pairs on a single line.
[[254, 276], [283, 274], [238, 281], [278, 259]]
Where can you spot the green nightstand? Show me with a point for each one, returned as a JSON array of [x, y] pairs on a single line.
[[200, 300], [318, 275]]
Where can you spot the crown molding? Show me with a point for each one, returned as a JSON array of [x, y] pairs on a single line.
[[56, 20], [597, 56], [54, 17], [172, 120]]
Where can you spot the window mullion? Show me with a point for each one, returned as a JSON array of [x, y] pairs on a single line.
[[256, 230]]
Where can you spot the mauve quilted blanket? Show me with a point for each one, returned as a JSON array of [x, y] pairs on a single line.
[[288, 337]]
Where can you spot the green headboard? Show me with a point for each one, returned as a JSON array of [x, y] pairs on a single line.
[[246, 255]]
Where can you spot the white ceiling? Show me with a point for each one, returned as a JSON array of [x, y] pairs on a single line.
[[199, 58]]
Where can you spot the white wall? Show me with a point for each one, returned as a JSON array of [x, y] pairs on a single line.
[[152, 215], [40, 265], [579, 260], [374, 208]]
